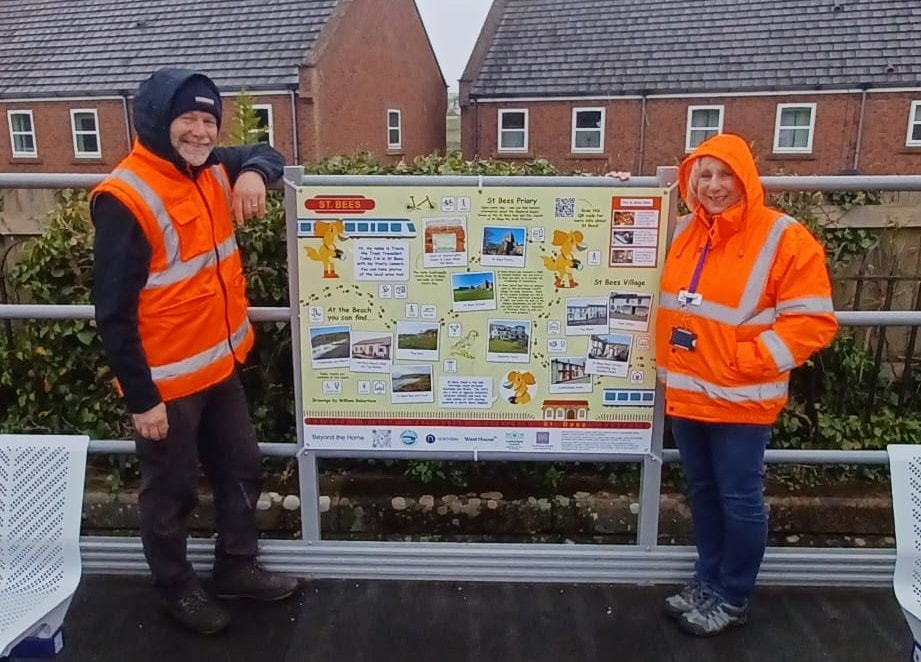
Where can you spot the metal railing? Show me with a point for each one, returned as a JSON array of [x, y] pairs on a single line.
[[644, 562]]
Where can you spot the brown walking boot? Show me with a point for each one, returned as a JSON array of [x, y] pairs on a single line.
[[247, 579]]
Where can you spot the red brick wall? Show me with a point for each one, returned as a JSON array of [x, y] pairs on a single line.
[[54, 139], [883, 150], [885, 127], [550, 134], [378, 57]]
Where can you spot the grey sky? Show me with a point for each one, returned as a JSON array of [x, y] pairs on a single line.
[[453, 26]]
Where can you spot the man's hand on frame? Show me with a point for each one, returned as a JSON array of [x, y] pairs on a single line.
[[248, 197]]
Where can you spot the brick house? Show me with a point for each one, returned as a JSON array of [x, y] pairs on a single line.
[[326, 76], [818, 86]]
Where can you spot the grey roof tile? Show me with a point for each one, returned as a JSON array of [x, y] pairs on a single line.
[[562, 47], [58, 47]]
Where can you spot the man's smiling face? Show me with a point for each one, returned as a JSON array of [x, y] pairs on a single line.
[[193, 135]]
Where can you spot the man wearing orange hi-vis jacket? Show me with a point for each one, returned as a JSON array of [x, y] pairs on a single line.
[[745, 298], [171, 309]]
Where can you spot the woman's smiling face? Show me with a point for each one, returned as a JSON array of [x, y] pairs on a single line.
[[717, 186]]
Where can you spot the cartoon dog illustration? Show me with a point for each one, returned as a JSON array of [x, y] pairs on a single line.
[[563, 262], [464, 346], [330, 232], [518, 383]]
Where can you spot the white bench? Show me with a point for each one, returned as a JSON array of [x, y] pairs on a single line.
[[41, 505], [905, 470]]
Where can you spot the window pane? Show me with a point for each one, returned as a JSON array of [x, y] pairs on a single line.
[[512, 140], [22, 122], [705, 119], [588, 139], [916, 131], [87, 143], [795, 116], [23, 143], [85, 122], [262, 114], [393, 120], [393, 136], [794, 138], [700, 135], [588, 119], [513, 120]]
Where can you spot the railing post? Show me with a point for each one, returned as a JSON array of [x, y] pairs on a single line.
[[647, 534], [307, 462]]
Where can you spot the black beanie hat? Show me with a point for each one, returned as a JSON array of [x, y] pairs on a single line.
[[197, 93]]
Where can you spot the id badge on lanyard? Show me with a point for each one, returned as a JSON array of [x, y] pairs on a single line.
[[681, 337]]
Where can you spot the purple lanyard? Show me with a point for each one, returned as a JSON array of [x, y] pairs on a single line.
[[695, 279]]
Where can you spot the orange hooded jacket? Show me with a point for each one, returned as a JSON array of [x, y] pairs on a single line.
[[765, 304]]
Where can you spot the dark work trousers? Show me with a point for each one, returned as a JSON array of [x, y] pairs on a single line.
[[213, 428]]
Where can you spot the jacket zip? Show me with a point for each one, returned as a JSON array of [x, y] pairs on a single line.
[[217, 257]]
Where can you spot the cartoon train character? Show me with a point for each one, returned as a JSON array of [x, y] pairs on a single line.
[[370, 228], [519, 383], [564, 261], [330, 232]]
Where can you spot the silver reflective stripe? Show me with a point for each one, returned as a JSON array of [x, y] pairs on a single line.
[[202, 359], [767, 316], [806, 305], [746, 312], [176, 269], [222, 180], [778, 349], [183, 270], [155, 204], [756, 392], [762, 268], [683, 223], [707, 309]]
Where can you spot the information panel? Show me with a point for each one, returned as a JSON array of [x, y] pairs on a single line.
[[514, 319]]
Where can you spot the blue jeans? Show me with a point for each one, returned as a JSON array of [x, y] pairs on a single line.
[[724, 467]]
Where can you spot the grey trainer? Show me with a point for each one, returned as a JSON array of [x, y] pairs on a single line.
[[713, 616], [690, 595]]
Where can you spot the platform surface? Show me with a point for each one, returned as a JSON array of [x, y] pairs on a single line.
[[117, 618]]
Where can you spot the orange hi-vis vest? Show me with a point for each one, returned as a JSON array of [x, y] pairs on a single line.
[[192, 312], [765, 302]]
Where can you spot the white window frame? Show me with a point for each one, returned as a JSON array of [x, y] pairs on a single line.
[[74, 132], [9, 117], [688, 145], [914, 118], [777, 128], [270, 123], [512, 150], [599, 130], [398, 128]]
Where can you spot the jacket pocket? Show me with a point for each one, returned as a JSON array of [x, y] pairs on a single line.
[[194, 230]]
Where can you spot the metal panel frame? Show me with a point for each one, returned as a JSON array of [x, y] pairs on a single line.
[[644, 562]]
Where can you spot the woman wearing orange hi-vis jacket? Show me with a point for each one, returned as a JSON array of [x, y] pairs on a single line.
[[745, 298]]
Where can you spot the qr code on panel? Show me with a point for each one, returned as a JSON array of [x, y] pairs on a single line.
[[380, 438], [543, 437], [564, 208]]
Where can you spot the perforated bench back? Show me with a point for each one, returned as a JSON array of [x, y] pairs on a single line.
[[905, 470], [41, 504]]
